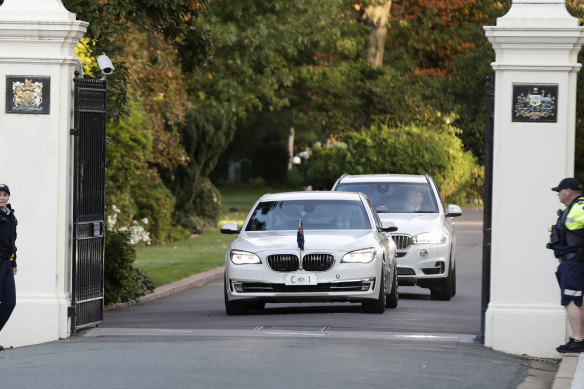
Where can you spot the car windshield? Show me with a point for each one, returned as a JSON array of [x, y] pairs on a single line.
[[395, 197], [315, 215]]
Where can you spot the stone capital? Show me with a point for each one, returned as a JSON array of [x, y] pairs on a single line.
[[35, 10], [538, 13]]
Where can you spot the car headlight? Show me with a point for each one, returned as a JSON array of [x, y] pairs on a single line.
[[359, 256], [243, 257], [435, 237]]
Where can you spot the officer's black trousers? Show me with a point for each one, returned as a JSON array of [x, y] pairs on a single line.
[[7, 292]]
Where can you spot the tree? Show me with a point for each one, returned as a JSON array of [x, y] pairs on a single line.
[[176, 21], [375, 14], [444, 39], [152, 43], [260, 49]]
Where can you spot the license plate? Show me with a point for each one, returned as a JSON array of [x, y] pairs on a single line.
[[301, 279]]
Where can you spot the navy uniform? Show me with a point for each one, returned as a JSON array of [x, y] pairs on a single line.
[[8, 224], [567, 241]]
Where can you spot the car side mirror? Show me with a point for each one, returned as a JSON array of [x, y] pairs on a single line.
[[387, 226], [453, 211], [229, 228]]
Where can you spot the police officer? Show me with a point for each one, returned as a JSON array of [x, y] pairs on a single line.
[[7, 256], [567, 241]]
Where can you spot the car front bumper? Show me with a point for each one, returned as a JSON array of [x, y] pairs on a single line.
[[344, 282], [421, 262]]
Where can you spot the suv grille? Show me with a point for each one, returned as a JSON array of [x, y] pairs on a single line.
[[402, 241], [318, 262], [283, 262]]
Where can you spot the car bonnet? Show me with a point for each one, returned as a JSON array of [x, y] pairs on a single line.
[[414, 223], [314, 240]]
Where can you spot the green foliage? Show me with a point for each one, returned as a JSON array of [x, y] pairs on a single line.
[[122, 281], [415, 149], [176, 20], [131, 184], [326, 164], [262, 49], [347, 96], [206, 134], [206, 206], [259, 46]]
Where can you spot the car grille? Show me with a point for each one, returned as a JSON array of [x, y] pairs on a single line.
[[260, 287], [402, 241], [283, 262], [318, 262], [310, 262]]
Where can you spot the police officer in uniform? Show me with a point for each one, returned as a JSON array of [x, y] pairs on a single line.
[[567, 241], [7, 257]]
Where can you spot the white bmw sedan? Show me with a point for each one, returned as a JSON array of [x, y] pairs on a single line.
[[311, 247]]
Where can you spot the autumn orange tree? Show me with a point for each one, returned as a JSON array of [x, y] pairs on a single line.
[[444, 40]]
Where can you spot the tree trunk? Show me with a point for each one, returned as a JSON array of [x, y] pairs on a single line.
[[376, 16]]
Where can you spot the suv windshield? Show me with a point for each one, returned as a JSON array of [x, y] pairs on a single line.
[[315, 215], [395, 197]]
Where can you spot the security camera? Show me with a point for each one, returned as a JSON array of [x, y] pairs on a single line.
[[106, 65]]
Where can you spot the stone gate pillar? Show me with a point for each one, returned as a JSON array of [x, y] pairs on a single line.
[[37, 43], [536, 45]]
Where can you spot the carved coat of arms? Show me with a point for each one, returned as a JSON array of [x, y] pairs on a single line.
[[535, 103], [27, 95]]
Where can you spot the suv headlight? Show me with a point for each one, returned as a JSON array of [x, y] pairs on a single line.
[[243, 257], [359, 256], [435, 237]]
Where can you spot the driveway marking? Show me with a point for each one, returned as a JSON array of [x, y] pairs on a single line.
[[260, 331]]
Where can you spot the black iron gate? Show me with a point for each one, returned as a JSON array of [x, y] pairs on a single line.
[[88, 203]]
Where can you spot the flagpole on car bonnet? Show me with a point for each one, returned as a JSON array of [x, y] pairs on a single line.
[[300, 241]]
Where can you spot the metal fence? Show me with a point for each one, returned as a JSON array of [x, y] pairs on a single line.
[[88, 203]]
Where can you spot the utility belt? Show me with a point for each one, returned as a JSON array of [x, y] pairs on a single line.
[[6, 256], [567, 257]]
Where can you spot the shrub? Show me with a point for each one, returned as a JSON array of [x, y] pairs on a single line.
[[203, 213], [122, 281], [417, 149], [132, 184], [326, 164]]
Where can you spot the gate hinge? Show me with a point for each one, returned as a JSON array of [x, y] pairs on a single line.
[[70, 311], [73, 131]]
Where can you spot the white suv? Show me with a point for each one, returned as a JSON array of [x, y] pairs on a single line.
[[425, 238]]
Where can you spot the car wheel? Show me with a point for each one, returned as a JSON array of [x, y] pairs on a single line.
[[377, 305], [444, 290], [233, 308], [392, 298], [453, 279]]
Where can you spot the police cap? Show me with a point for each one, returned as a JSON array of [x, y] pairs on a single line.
[[566, 183]]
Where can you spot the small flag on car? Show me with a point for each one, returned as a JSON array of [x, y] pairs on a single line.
[[300, 235]]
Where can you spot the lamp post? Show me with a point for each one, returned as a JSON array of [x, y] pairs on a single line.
[[297, 160]]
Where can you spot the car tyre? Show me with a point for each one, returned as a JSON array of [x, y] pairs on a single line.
[[392, 298], [453, 279], [231, 307], [444, 291], [377, 305]]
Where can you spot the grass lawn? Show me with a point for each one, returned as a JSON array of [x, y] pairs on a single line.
[[171, 262]]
